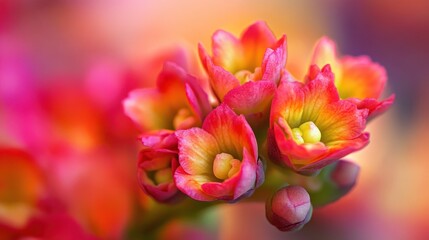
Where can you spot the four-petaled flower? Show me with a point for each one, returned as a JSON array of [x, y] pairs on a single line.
[[311, 126], [256, 56], [220, 160]]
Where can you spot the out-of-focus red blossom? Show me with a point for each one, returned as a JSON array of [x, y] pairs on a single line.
[[310, 126], [158, 161], [289, 209], [178, 102], [81, 126], [358, 79], [22, 185], [27, 208], [105, 213], [220, 160], [22, 120], [72, 120], [48, 226], [76, 120], [54, 226], [256, 56]]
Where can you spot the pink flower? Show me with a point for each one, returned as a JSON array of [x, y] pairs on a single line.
[[358, 79], [178, 102], [255, 56], [311, 126], [219, 160], [156, 167]]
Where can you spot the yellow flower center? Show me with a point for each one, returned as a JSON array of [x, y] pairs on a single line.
[[225, 166], [163, 176], [244, 76], [184, 119], [306, 133]]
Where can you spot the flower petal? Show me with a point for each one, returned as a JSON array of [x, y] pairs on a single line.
[[274, 61], [256, 39], [341, 120], [146, 107], [247, 174], [198, 100], [361, 78], [191, 185], [253, 99], [161, 139], [231, 132], [337, 151], [221, 80], [155, 108], [197, 150], [374, 106], [227, 51], [325, 52], [318, 93]]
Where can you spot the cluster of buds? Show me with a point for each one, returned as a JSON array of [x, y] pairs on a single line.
[[216, 143]]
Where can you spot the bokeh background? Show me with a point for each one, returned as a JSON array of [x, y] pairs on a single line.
[[65, 67]]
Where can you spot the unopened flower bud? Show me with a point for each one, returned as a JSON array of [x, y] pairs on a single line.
[[157, 163], [345, 174], [336, 180], [289, 209]]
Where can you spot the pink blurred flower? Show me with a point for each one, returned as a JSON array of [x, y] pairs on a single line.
[[95, 187], [219, 160], [358, 79], [311, 126], [28, 208]]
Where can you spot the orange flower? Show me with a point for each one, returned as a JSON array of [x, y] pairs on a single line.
[[310, 126], [358, 79]]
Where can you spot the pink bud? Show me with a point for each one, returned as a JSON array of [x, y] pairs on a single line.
[[289, 209], [157, 163], [344, 174]]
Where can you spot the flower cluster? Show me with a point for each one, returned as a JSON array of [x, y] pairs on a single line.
[[222, 142]]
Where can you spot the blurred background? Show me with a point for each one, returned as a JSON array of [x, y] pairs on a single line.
[[65, 67]]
